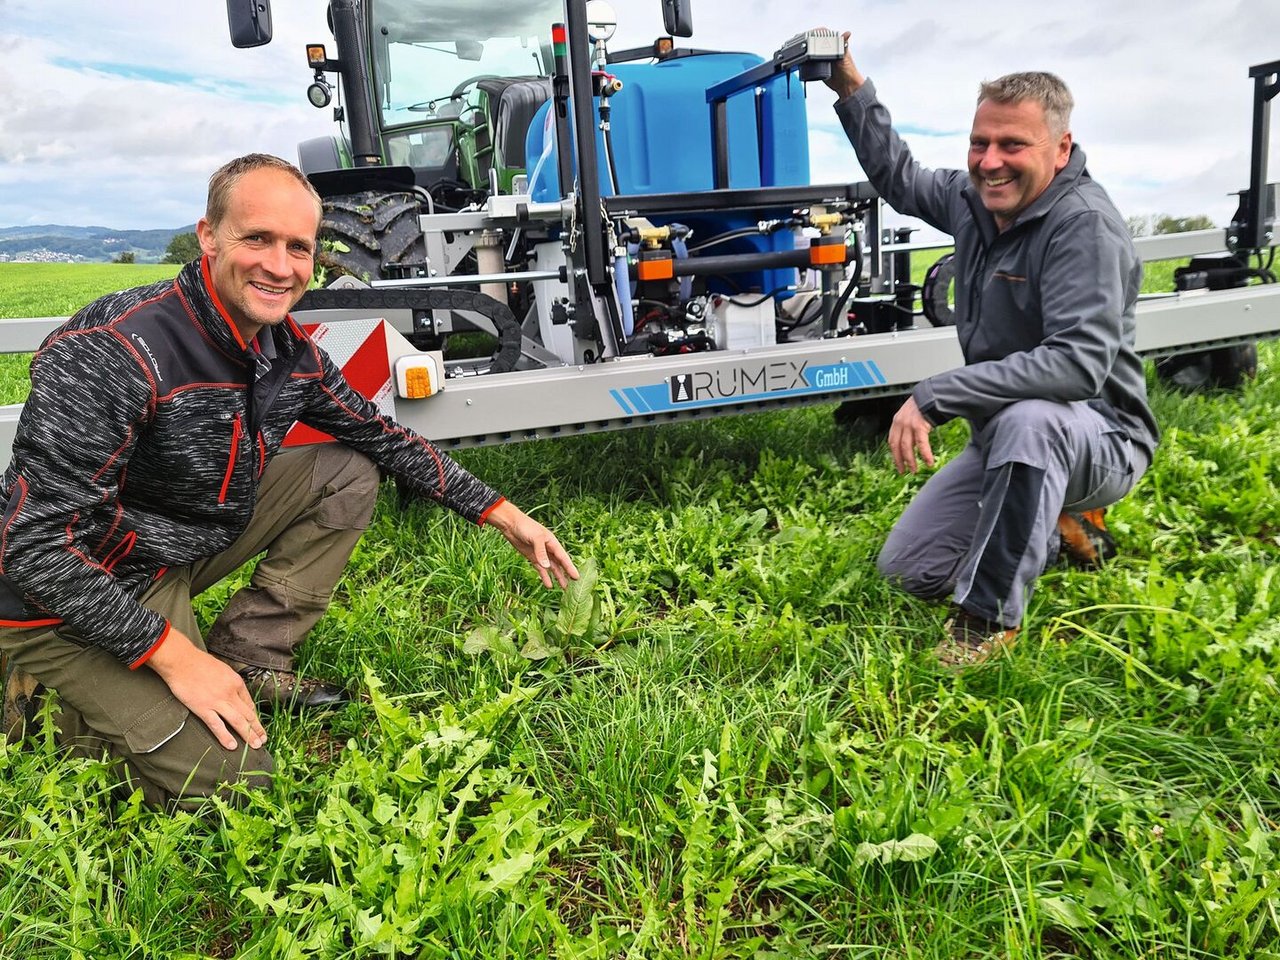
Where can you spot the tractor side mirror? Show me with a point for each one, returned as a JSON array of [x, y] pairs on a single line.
[[250, 22], [469, 49], [677, 18]]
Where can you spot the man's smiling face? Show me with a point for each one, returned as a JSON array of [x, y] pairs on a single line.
[[1013, 156], [261, 252]]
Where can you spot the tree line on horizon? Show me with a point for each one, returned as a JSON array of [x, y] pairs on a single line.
[[183, 248]]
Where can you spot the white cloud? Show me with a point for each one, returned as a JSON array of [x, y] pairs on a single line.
[[117, 117]]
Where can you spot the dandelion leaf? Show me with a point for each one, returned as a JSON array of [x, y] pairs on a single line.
[[576, 605], [918, 846]]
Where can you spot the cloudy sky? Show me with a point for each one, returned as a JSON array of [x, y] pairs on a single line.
[[114, 114]]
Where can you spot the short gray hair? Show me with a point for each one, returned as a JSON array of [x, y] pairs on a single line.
[[229, 174], [1046, 89]]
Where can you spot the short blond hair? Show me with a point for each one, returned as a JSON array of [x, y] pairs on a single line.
[[226, 177], [1046, 89]]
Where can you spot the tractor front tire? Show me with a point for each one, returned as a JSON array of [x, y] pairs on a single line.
[[372, 235], [867, 419], [937, 291], [1222, 368]]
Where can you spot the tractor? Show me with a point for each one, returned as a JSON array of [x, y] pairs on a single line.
[[590, 238]]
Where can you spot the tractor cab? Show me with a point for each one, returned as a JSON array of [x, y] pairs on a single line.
[[453, 85]]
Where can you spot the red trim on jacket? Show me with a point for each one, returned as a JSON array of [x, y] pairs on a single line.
[[111, 530], [396, 430], [119, 551], [236, 431], [489, 509], [202, 329], [115, 455], [137, 357], [164, 635], [217, 301]]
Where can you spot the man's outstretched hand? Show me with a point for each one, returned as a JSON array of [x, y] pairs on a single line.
[[845, 77], [535, 543], [908, 434]]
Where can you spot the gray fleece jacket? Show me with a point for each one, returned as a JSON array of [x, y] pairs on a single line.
[[1045, 309]]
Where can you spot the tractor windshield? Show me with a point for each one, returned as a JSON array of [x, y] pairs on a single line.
[[427, 53]]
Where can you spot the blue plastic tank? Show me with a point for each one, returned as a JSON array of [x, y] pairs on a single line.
[[661, 130]]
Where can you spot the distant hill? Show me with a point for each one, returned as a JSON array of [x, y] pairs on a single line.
[[58, 243]]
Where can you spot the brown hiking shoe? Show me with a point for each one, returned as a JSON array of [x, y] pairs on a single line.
[[22, 695], [1085, 540], [281, 689], [971, 640]]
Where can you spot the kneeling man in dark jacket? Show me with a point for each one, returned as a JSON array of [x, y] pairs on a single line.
[[148, 465]]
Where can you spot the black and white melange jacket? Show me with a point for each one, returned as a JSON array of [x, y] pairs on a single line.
[[141, 445]]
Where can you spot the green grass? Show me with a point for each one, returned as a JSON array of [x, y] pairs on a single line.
[[59, 289], [747, 750]]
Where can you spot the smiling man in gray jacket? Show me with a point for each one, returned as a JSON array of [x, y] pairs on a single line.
[[1045, 287]]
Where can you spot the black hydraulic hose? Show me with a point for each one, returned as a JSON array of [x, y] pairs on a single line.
[[850, 286], [608, 143], [728, 281], [812, 312], [768, 296], [724, 238], [737, 262], [740, 232], [608, 158], [429, 298], [1264, 270]]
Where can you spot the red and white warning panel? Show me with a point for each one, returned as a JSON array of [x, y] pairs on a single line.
[[378, 362]]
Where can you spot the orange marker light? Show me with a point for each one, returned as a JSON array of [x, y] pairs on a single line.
[[418, 375], [417, 383]]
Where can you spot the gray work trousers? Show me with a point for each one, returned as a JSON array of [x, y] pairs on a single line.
[[313, 504], [984, 527]]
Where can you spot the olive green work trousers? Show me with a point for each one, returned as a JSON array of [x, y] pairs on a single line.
[[313, 504]]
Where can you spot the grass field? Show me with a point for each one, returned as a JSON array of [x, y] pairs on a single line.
[[744, 749], [60, 289]]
